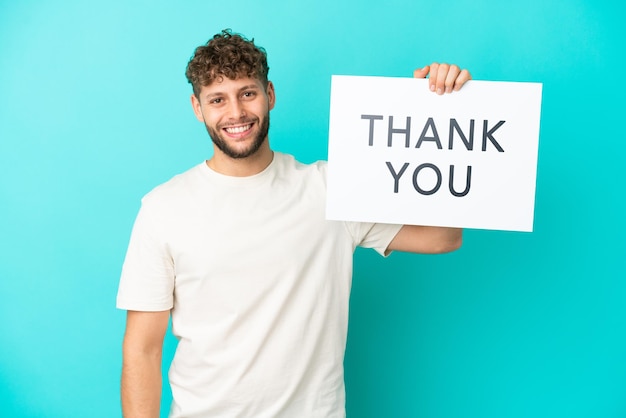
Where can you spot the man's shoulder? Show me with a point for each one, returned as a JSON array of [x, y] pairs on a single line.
[[174, 188], [290, 163]]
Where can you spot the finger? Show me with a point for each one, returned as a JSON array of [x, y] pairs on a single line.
[[421, 72], [453, 73], [463, 77], [432, 79], [442, 73]]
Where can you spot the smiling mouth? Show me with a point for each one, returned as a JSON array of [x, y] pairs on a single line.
[[238, 129]]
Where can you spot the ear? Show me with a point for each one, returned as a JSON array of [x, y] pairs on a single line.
[[197, 108], [271, 94]]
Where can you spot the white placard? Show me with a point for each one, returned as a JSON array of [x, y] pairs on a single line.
[[399, 153]]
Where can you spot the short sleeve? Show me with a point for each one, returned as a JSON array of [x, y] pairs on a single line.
[[373, 235], [147, 279]]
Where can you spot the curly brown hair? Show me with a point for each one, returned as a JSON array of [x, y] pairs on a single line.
[[229, 55]]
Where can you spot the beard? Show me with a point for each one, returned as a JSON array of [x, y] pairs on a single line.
[[223, 145]]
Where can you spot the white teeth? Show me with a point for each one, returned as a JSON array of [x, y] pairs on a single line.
[[238, 129]]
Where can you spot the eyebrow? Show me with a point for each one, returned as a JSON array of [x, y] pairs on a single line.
[[246, 87]]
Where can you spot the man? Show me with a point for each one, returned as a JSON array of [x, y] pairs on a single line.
[[238, 252]]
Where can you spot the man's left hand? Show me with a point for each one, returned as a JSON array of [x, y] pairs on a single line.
[[444, 78]]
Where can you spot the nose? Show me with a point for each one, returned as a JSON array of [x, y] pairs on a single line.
[[236, 109]]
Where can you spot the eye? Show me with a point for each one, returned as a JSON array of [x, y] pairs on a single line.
[[249, 94], [216, 101]]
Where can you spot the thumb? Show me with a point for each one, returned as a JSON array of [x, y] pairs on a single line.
[[421, 72]]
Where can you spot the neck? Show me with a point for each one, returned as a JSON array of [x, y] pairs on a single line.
[[241, 167]]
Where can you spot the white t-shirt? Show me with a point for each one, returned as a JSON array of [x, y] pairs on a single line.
[[258, 282]]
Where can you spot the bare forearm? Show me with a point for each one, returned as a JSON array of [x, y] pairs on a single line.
[[450, 239], [427, 239], [141, 367], [141, 385]]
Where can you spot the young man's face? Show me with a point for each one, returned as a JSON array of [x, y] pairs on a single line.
[[236, 114]]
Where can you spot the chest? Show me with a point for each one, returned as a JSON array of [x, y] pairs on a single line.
[[265, 232]]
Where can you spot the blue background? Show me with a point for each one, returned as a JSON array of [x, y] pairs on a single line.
[[94, 112]]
